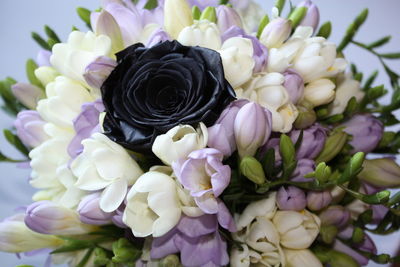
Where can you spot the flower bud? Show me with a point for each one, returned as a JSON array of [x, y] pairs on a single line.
[[90, 212], [312, 142], [383, 172], [209, 14], [306, 117], [124, 251], [158, 36], [304, 166], [333, 145], [319, 92], [30, 128], [227, 17], [252, 128], [294, 85], [301, 257], [335, 215], [343, 255], [46, 74], [98, 71], [291, 198], [28, 94], [276, 32], [43, 58], [366, 131], [311, 19], [49, 218], [318, 200], [177, 15], [252, 169]]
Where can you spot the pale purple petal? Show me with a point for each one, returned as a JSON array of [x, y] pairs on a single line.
[[28, 94], [30, 128], [164, 245], [207, 203], [43, 58], [198, 226], [98, 71], [157, 37], [225, 218]]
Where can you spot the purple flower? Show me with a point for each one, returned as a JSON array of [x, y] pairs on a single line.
[[204, 175], [85, 125], [90, 212], [97, 71], [227, 17], [157, 36], [312, 17], [197, 240], [335, 215], [117, 217], [291, 198], [304, 166], [294, 85], [29, 127], [366, 130], [28, 94], [312, 143], [317, 200], [260, 53], [43, 58], [202, 4], [221, 135]]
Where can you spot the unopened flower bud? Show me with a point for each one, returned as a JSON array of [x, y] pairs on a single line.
[[318, 200], [291, 198], [28, 94], [252, 169], [46, 74], [307, 115], [227, 17], [294, 85], [30, 128], [312, 17], [333, 145], [335, 215], [98, 71], [177, 15], [383, 172], [276, 32], [124, 251], [90, 212], [43, 58], [319, 92]]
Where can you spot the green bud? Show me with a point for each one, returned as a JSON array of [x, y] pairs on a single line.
[[333, 145], [31, 66], [351, 107], [264, 22], [358, 235], [306, 117], [380, 42], [170, 261], [40, 41], [325, 30], [376, 92], [100, 257], [51, 34], [84, 14], [196, 12], [382, 258], [383, 172], [124, 251], [286, 149], [297, 15], [209, 14], [328, 233], [339, 259], [280, 4], [253, 170], [322, 172]]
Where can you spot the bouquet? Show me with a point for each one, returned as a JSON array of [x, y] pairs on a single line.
[[203, 133]]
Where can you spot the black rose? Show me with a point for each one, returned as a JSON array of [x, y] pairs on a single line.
[[154, 89]]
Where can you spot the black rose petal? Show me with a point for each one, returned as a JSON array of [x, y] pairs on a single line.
[[154, 89]]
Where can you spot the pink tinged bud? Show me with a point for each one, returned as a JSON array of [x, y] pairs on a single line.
[[318, 200], [29, 126], [291, 198], [335, 215], [276, 32], [312, 17], [383, 172], [28, 94], [43, 58], [252, 128], [98, 71], [227, 17], [294, 85], [90, 212]]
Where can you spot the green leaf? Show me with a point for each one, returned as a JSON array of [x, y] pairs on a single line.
[[325, 30], [379, 42], [31, 66], [15, 141], [85, 258], [24, 265], [151, 4], [358, 235], [11, 105], [288, 153], [351, 107], [352, 29], [264, 22], [390, 55], [73, 245], [84, 14], [280, 4], [268, 162], [40, 41], [51, 34], [370, 80]]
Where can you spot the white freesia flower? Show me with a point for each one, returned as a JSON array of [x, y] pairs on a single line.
[[267, 90], [177, 16], [16, 237], [179, 142], [152, 206], [301, 257], [46, 74], [240, 258], [347, 88], [71, 58], [297, 229], [319, 92], [64, 100], [237, 59], [202, 33], [276, 32], [106, 165]]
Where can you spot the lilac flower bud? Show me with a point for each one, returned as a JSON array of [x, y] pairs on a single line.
[[312, 17], [28, 94], [312, 143], [291, 198], [118, 215], [383, 172], [29, 127], [43, 58], [221, 136], [304, 166], [294, 85], [366, 130], [227, 17], [252, 128], [46, 217], [97, 71], [335, 215], [158, 36], [318, 200], [90, 212], [378, 211], [276, 32]]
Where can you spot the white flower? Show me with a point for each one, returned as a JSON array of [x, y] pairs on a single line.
[[106, 165], [301, 257], [267, 90], [237, 59], [152, 206], [319, 92], [64, 100], [297, 229], [177, 15], [317, 59], [347, 88], [179, 142], [46, 74], [202, 33], [71, 58], [16, 237], [276, 32], [240, 258]]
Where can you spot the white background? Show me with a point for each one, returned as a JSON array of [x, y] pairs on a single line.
[[19, 17]]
